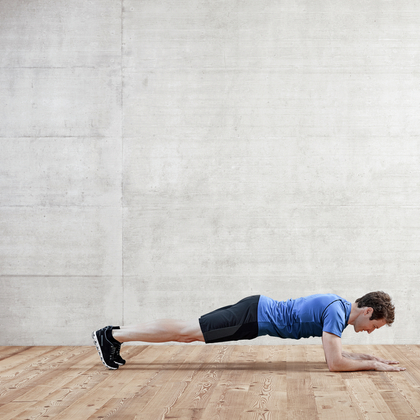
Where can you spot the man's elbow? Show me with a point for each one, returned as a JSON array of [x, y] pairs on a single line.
[[335, 366]]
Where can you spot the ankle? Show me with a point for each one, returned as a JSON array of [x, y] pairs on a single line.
[[112, 335]]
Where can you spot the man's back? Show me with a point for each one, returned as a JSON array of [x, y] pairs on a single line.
[[303, 317]]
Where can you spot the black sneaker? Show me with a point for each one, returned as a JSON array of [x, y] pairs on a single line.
[[118, 359], [106, 348]]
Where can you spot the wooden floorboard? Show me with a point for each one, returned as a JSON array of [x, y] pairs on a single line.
[[218, 382]]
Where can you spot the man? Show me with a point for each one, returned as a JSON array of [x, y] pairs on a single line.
[[321, 315]]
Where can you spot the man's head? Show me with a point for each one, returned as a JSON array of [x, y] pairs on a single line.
[[380, 302]]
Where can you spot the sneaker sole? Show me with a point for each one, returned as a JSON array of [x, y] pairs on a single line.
[[98, 347]]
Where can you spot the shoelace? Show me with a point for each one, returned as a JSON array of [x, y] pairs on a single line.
[[117, 349], [114, 351]]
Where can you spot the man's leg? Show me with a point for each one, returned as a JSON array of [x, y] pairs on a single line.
[[108, 340], [161, 331]]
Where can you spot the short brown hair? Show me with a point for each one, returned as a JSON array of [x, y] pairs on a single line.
[[381, 304]]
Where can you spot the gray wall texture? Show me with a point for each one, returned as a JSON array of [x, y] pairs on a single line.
[[162, 158]]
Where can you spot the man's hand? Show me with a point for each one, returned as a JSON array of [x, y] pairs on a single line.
[[388, 366], [387, 362], [360, 356]]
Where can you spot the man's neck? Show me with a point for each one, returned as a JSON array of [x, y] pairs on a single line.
[[355, 311]]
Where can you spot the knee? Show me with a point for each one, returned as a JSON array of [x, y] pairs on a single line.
[[190, 332]]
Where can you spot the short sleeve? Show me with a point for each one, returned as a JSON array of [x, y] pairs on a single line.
[[334, 318]]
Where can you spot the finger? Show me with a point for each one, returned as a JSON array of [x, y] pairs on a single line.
[[388, 368]]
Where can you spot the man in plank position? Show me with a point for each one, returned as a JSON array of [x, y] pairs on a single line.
[[321, 315]]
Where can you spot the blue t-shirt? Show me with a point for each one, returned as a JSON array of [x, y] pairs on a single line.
[[304, 317]]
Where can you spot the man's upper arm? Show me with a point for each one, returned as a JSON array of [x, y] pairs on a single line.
[[332, 349], [334, 318]]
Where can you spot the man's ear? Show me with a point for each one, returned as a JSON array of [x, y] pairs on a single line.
[[368, 311]]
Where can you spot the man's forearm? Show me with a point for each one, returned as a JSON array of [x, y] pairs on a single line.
[[358, 356], [346, 364], [339, 361]]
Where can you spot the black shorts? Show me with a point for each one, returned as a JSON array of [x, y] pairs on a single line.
[[232, 323]]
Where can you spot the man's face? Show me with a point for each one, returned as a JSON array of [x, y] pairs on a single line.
[[363, 322]]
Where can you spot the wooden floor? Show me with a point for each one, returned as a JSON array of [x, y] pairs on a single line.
[[204, 382]]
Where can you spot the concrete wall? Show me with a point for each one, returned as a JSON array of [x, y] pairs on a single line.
[[163, 158]]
